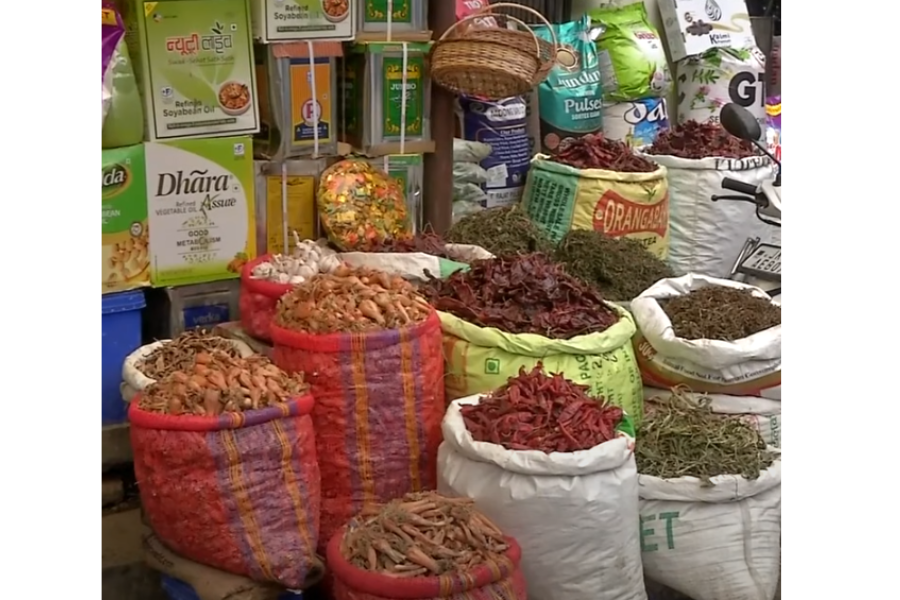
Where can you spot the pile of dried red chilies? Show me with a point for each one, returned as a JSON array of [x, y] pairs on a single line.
[[594, 151], [428, 243], [536, 411], [701, 140], [527, 293]]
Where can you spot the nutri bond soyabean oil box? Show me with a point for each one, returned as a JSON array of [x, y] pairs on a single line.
[[125, 242], [200, 202]]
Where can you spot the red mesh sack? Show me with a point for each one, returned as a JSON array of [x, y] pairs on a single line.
[[379, 405], [500, 581], [258, 300], [238, 492]]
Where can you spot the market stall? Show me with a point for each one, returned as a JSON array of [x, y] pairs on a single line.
[[421, 300]]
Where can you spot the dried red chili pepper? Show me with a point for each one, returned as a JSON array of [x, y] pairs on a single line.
[[527, 293], [701, 140], [429, 243], [594, 151], [536, 411]]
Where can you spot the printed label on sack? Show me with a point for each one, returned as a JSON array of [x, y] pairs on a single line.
[[658, 531], [502, 126], [753, 378], [617, 216]]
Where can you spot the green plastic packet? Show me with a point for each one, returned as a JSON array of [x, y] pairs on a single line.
[[631, 55]]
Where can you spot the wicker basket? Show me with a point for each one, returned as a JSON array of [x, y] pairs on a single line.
[[479, 56]]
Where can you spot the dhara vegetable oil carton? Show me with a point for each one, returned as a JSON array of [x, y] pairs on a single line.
[[196, 73], [126, 259], [200, 203]]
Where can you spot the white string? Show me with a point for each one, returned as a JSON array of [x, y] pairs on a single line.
[[403, 83], [390, 18], [284, 210], [315, 97]]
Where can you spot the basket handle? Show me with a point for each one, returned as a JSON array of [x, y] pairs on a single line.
[[491, 7], [486, 11]]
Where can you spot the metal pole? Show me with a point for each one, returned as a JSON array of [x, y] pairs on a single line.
[[438, 184]]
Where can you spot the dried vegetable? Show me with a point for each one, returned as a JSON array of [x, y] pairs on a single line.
[[179, 354], [501, 231], [308, 258], [526, 293], [359, 204], [218, 382], [680, 437], [536, 411], [423, 534], [701, 140], [428, 243], [351, 300], [621, 268], [594, 151], [720, 313]]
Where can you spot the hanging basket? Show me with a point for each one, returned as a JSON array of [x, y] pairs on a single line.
[[481, 56]]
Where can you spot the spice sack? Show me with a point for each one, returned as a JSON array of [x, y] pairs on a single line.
[[763, 414], [379, 403], [747, 367], [716, 542], [634, 205], [705, 237], [501, 581], [238, 492], [481, 359], [575, 513], [416, 266], [134, 381]]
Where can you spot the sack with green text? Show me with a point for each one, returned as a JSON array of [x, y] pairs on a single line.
[[481, 359], [713, 542]]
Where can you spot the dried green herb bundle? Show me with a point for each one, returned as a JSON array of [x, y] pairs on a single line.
[[720, 313], [680, 437], [620, 268], [502, 231]]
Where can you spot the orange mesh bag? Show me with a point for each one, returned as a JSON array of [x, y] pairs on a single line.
[[258, 300], [379, 405], [499, 581], [238, 492]]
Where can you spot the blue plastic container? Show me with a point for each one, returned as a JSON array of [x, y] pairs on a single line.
[[121, 337], [176, 589]]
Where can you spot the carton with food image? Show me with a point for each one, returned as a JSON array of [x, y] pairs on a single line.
[[200, 201], [291, 20], [125, 240], [196, 73]]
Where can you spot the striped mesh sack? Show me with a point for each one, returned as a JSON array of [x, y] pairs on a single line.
[[502, 580], [379, 404], [238, 492]]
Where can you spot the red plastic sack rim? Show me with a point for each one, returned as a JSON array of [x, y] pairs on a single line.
[[412, 588], [302, 405], [261, 286], [334, 342]]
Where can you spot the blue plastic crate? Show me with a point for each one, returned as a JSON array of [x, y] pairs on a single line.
[[121, 337], [176, 589]]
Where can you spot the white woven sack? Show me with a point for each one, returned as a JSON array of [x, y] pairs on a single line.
[[573, 513], [713, 543], [705, 237]]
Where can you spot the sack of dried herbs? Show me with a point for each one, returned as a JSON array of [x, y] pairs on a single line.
[[763, 414], [712, 335], [710, 503], [705, 237]]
